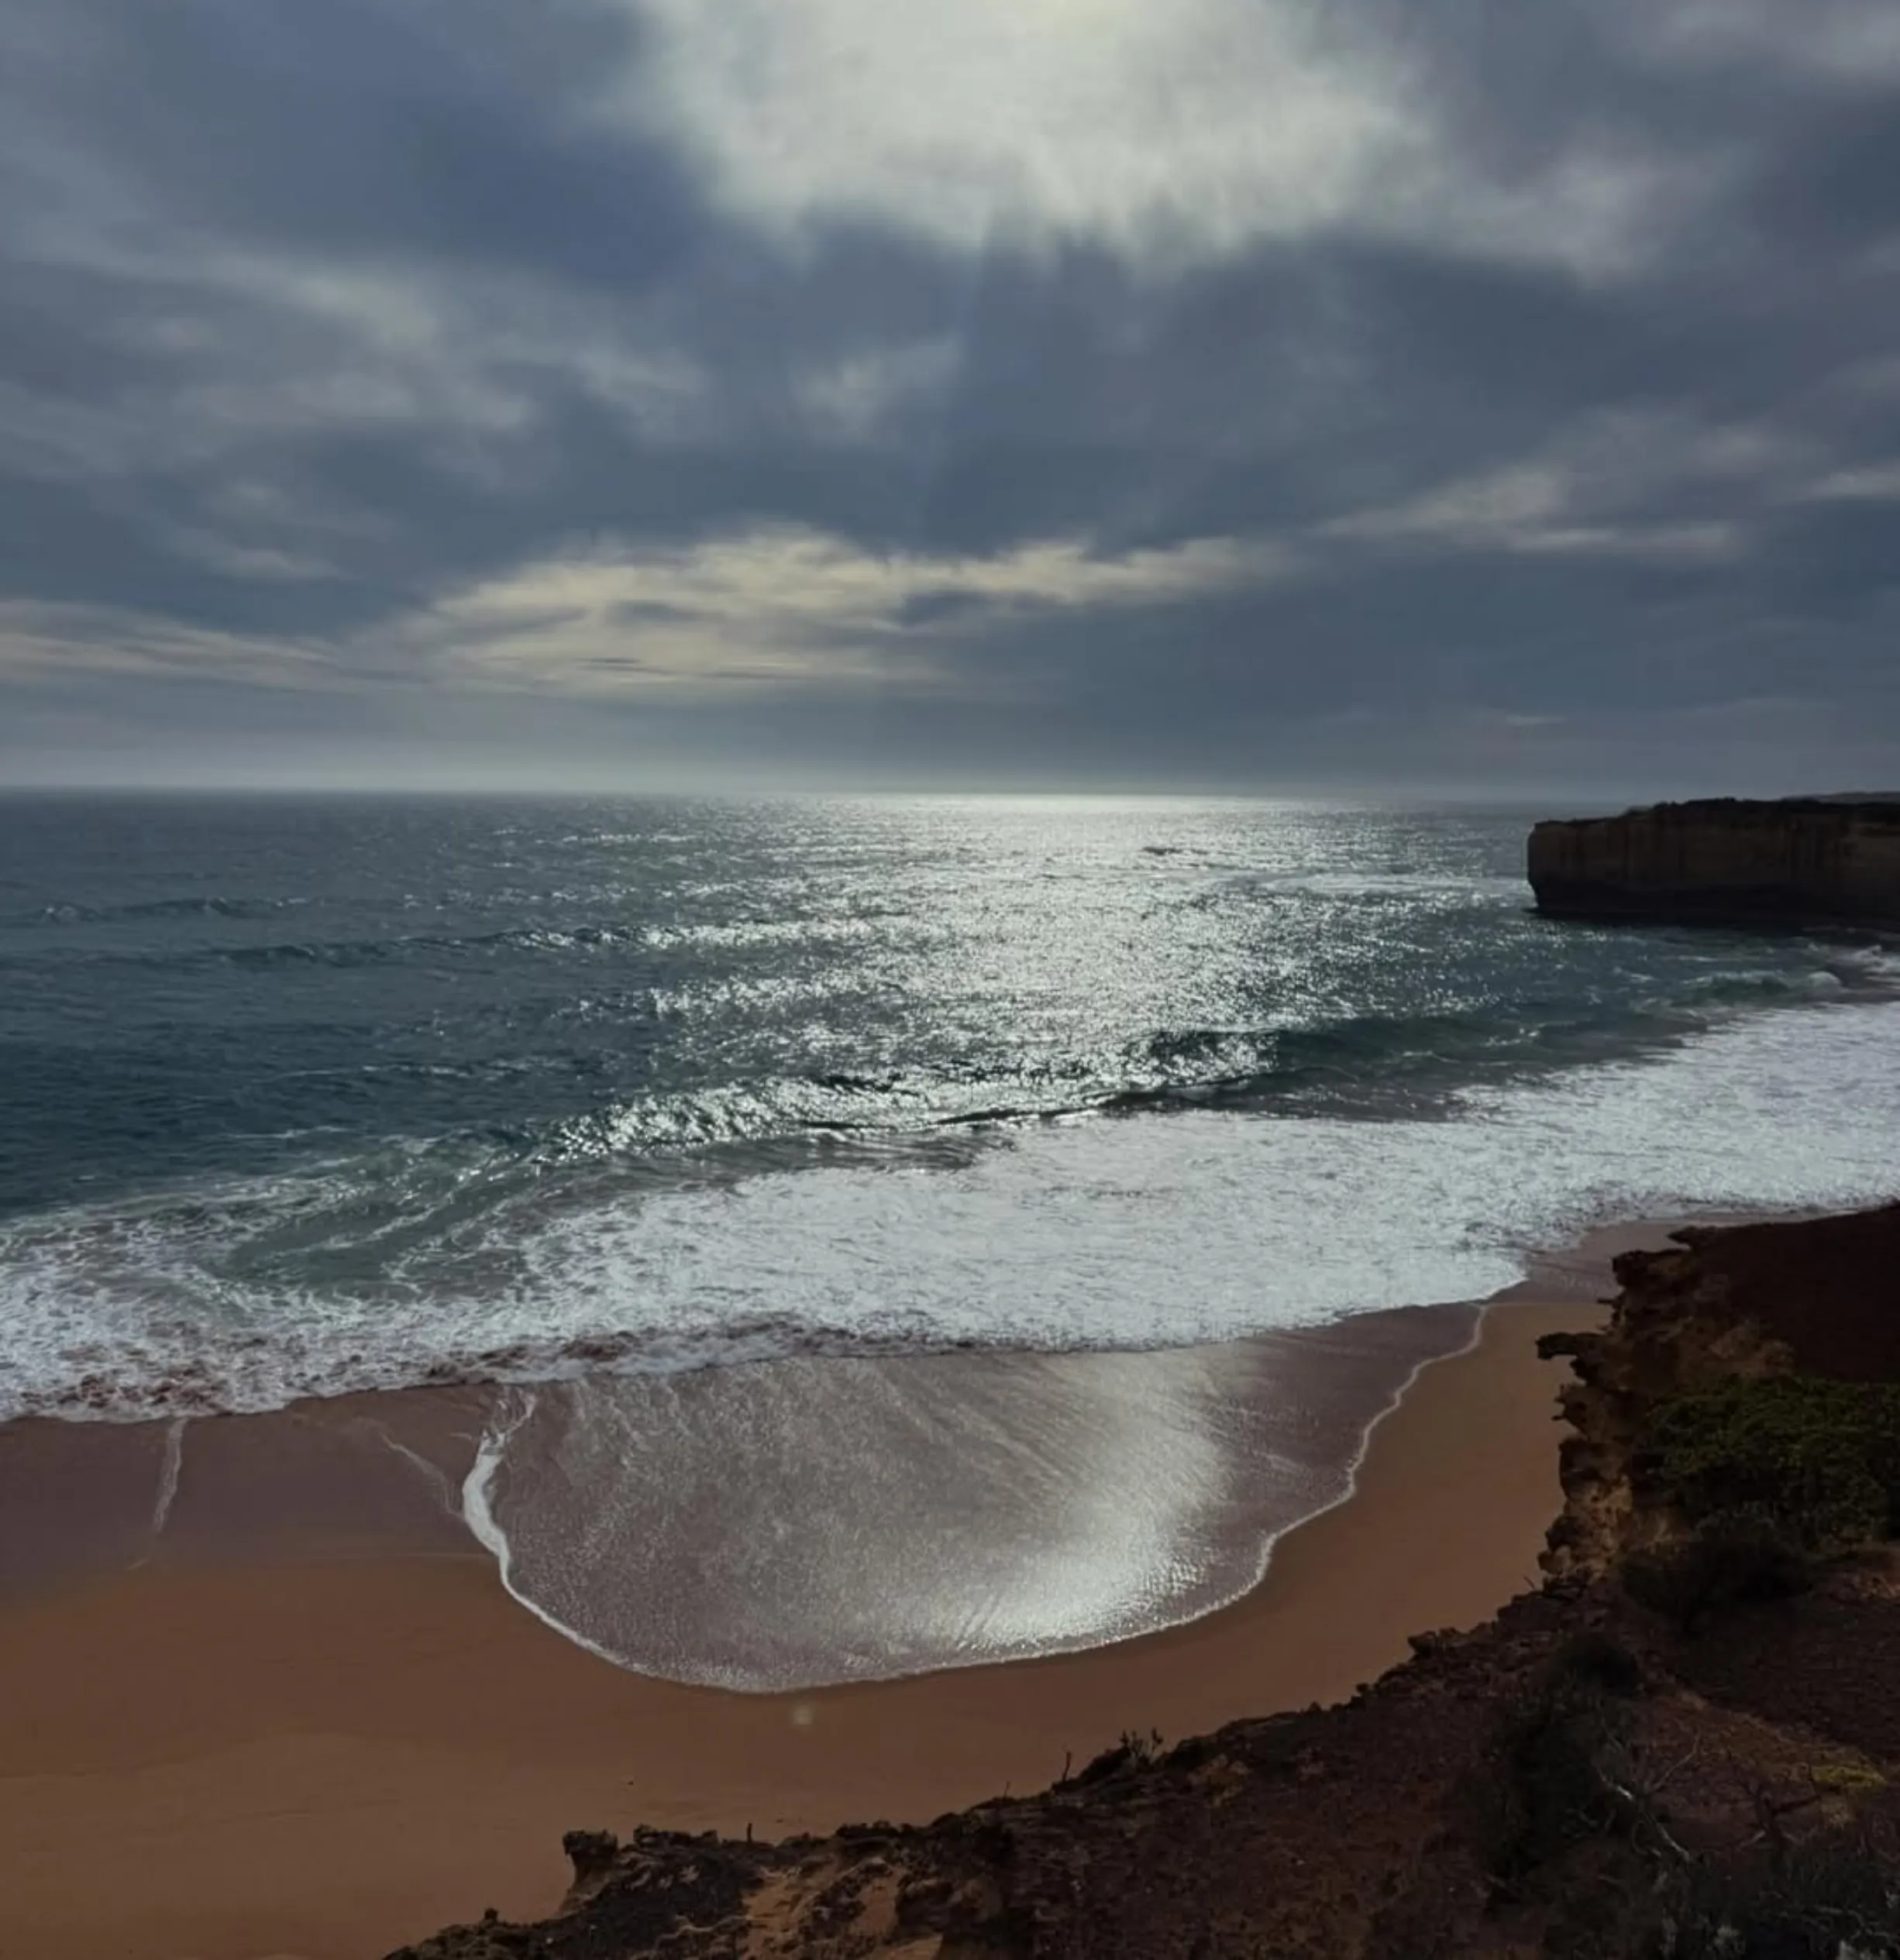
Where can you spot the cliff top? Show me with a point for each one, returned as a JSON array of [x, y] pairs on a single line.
[[1825, 1290], [1872, 806]]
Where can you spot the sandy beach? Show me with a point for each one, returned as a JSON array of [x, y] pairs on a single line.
[[325, 1754]]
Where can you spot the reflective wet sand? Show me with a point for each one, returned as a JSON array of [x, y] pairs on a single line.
[[806, 1522]]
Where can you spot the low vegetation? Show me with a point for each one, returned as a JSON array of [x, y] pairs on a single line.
[[1729, 1559], [1817, 1460], [1571, 1816], [1554, 1775], [1135, 1751], [1831, 1896]]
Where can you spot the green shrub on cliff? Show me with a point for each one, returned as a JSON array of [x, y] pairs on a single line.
[[1819, 1459]]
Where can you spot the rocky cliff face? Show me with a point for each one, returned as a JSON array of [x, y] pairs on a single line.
[[1796, 861], [1819, 1298]]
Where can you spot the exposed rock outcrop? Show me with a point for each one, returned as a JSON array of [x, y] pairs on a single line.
[[1819, 1297], [1798, 860]]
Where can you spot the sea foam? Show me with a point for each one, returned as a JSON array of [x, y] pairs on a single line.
[[1150, 1230]]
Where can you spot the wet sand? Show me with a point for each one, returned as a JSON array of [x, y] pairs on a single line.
[[327, 1729]]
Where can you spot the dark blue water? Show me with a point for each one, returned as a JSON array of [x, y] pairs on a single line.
[[299, 1092]]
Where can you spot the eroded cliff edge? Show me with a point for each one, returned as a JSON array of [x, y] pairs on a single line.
[[1798, 861], [1685, 1743]]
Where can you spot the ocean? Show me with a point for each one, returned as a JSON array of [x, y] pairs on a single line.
[[596, 1100], [302, 1096]]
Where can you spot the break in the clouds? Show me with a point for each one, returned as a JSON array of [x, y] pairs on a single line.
[[1234, 391]]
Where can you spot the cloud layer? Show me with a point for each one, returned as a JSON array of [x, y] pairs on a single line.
[[1228, 391]]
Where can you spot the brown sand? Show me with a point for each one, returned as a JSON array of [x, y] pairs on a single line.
[[328, 1758]]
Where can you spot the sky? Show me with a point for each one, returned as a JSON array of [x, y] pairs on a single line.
[[1235, 394]]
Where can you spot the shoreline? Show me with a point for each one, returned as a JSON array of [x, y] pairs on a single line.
[[374, 1471], [323, 1756]]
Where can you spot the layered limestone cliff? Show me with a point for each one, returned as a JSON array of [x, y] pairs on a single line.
[[1797, 861]]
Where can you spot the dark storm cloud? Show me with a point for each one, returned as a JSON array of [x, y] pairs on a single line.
[[376, 375]]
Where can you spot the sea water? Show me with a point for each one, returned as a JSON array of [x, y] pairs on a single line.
[[298, 1096]]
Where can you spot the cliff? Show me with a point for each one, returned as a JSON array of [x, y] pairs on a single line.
[[1800, 860], [1816, 1302], [1685, 1744]]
